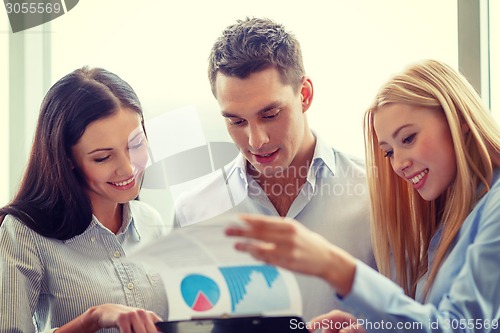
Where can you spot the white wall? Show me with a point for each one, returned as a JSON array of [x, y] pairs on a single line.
[[350, 48], [161, 48]]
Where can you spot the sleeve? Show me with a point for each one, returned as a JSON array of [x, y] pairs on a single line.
[[20, 277], [472, 303]]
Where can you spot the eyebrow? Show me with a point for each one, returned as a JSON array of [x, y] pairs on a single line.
[[267, 108], [98, 150], [109, 149], [135, 136], [395, 134]]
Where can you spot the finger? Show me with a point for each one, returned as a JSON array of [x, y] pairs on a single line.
[[235, 231], [146, 322], [125, 328], [268, 253], [154, 318], [261, 234], [351, 329], [138, 326], [334, 314], [276, 251], [266, 221], [270, 231], [260, 251]]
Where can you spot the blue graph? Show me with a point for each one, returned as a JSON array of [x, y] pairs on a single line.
[[255, 289]]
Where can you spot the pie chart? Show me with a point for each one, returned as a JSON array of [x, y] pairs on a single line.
[[200, 292]]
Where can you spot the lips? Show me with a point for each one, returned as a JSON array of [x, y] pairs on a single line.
[[418, 177], [123, 183], [265, 158]]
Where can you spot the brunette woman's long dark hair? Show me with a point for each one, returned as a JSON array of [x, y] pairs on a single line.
[[51, 199]]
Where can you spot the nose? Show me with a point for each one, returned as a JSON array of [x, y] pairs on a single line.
[[257, 136], [124, 166], [400, 162]]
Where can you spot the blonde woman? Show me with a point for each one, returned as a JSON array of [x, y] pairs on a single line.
[[433, 160]]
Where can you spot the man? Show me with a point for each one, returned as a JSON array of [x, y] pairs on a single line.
[[283, 168]]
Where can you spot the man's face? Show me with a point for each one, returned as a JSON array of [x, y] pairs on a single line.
[[266, 119]]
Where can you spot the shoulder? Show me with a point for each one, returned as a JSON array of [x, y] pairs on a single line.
[[348, 159], [144, 212], [331, 155], [13, 231], [493, 195], [349, 166], [487, 210], [339, 162], [12, 224]]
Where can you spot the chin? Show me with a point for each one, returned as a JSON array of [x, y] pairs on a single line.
[[128, 197], [428, 196]]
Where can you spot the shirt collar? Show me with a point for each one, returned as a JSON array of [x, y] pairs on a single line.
[[323, 154], [128, 225], [129, 222], [238, 167]]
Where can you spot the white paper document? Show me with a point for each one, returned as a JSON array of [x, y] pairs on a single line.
[[204, 276]]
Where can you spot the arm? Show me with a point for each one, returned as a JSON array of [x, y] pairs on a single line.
[[465, 296], [22, 272], [20, 277]]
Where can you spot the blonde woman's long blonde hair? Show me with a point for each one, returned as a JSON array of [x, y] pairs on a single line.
[[402, 222]]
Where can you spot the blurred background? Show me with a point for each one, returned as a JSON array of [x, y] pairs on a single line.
[[160, 47]]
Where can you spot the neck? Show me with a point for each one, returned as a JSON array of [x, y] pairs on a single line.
[[282, 187], [110, 216]]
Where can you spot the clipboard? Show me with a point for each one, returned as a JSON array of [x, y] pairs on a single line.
[[250, 324]]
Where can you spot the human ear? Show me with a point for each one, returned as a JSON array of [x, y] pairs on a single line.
[[306, 93]]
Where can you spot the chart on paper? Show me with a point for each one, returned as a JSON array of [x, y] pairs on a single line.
[[207, 277], [255, 288]]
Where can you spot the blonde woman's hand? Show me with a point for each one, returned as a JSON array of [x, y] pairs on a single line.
[[337, 321], [288, 244]]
